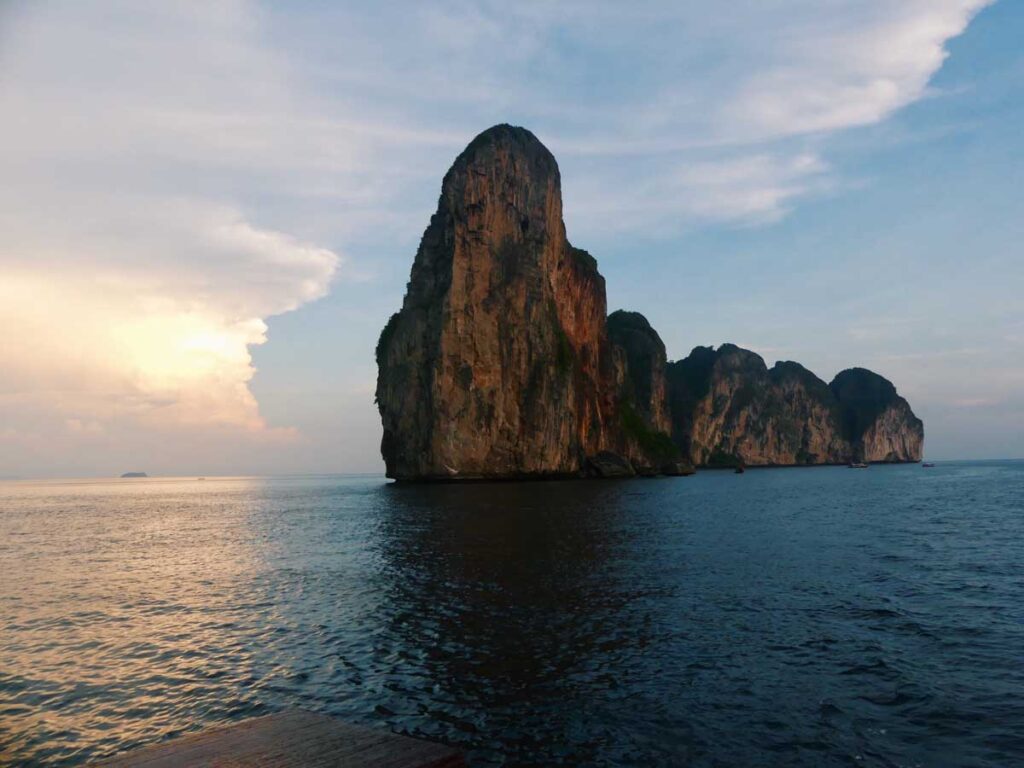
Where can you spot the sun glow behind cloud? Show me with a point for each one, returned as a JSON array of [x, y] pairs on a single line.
[[133, 285], [165, 343], [94, 346]]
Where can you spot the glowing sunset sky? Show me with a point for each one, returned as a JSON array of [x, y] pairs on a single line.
[[209, 210]]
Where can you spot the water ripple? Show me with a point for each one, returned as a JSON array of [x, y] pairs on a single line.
[[818, 618]]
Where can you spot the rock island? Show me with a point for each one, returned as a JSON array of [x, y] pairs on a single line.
[[503, 362]]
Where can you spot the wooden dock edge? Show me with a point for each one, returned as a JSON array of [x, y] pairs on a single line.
[[291, 739]]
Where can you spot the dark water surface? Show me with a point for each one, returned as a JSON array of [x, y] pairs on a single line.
[[819, 617]]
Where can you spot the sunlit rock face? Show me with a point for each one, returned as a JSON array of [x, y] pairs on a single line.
[[729, 408], [499, 363]]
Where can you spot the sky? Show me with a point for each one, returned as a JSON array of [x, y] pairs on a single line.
[[209, 210]]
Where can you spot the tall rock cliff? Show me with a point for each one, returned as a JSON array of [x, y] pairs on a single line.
[[499, 363], [728, 407]]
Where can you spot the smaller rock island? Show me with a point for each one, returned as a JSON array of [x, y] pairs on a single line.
[[134, 474], [503, 362]]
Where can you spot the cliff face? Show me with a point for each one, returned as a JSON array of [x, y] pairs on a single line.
[[729, 408], [879, 422], [499, 363], [813, 412], [642, 393]]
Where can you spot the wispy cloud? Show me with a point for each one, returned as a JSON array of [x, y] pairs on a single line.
[[852, 64]]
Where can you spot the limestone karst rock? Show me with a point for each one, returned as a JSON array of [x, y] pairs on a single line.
[[729, 408], [502, 363], [879, 423], [642, 394], [499, 363]]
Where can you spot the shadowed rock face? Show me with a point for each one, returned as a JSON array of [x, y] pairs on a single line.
[[729, 408], [642, 366], [879, 423], [642, 392], [499, 363]]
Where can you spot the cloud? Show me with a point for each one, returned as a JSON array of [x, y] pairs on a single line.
[[854, 65], [737, 189], [164, 346], [764, 101], [974, 402], [135, 274], [750, 188]]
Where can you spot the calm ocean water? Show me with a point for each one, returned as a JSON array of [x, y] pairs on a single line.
[[819, 617]]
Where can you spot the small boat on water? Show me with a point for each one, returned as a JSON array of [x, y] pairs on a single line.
[[858, 465], [740, 469], [928, 464]]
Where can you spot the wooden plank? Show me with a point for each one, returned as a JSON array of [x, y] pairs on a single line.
[[290, 740]]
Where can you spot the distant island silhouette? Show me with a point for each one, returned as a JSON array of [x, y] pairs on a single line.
[[134, 474]]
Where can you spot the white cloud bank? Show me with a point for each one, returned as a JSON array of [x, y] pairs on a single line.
[[132, 282], [175, 174]]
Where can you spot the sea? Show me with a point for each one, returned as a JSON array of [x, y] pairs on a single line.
[[783, 617]]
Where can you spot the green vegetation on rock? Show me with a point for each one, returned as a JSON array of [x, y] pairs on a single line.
[[723, 459], [657, 445], [385, 339], [584, 258]]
